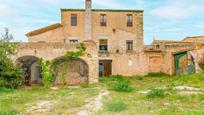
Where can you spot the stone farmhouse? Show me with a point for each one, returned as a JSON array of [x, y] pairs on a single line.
[[114, 41]]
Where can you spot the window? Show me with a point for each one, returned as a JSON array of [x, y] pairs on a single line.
[[157, 46], [129, 45], [103, 20], [129, 20], [103, 45], [73, 41], [73, 19]]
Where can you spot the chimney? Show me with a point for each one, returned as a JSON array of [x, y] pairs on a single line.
[[88, 20]]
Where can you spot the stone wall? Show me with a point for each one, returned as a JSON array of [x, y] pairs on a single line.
[[51, 51]]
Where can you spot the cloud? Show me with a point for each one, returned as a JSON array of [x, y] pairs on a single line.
[[176, 10], [110, 3], [50, 1], [200, 26], [5, 10]]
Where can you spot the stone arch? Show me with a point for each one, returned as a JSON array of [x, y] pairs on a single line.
[[70, 71], [31, 69]]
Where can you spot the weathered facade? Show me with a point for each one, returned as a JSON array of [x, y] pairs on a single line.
[[114, 41]]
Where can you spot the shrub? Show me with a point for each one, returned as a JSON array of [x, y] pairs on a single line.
[[157, 74], [47, 73], [10, 74], [116, 107], [156, 93], [121, 86]]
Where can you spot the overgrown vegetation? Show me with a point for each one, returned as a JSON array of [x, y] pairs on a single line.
[[47, 73], [121, 86], [10, 74], [156, 93], [118, 83], [68, 100], [75, 54], [116, 107]]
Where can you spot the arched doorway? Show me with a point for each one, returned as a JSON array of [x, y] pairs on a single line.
[[70, 71], [31, 69]]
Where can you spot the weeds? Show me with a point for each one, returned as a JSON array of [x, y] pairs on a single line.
[[121, 86], [118, 83], [156, 93]]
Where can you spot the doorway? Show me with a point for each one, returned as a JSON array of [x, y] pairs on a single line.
[[105, 68]]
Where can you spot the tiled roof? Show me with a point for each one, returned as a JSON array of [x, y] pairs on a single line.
[[167, 41], [194, 37], [104, 10], [45, 29]]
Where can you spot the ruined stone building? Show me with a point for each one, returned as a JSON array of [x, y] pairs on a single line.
[[114, 41]]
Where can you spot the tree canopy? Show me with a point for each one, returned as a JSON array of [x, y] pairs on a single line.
[[10, 74]]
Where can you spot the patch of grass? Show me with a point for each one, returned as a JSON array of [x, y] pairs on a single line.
[[195, 112], [116, 107], [121, 86], [84, 85], [158, 74], [8, 112], [140, 78], [6, 90], [156, 93]]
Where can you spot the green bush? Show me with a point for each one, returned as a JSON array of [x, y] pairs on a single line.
[[157, 74], [10, 74], [47, 73], [156, 93], [116, 107], [121, 86]]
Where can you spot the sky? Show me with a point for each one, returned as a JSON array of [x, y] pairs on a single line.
[[163, 19]]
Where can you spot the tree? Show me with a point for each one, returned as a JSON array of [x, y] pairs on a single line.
[[10, 74]]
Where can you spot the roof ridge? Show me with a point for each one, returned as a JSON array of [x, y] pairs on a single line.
[[44, 29]]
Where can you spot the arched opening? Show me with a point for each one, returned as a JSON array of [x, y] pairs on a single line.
[[70, 71], [31, 69]]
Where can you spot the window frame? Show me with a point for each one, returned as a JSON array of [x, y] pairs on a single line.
[[129, 20], [74, 42], [129, 45], [101, 45], [103, 20], [74, 19]]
